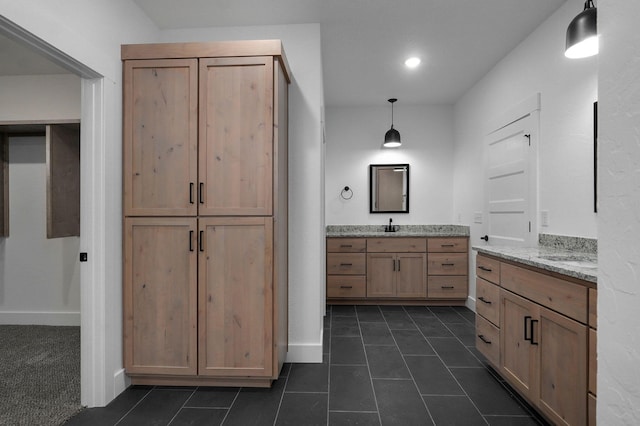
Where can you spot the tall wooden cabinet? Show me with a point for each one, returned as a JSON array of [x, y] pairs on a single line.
[[205, 212]]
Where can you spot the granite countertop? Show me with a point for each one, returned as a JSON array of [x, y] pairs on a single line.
[[582, 265], [403, 231]]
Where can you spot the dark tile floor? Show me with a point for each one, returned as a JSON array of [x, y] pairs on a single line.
[[383, 365]]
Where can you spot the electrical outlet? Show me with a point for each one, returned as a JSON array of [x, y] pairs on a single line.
[[477, 217], [544, 217]]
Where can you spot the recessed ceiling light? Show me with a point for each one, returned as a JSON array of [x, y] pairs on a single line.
[[412, 62]]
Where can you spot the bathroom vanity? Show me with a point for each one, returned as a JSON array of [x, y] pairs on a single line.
[[536, 325], [417, 264]]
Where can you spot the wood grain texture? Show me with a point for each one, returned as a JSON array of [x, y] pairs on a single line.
[[346, 286], [448, 263], [562, 296], [160, 139], [488, 300], [447, 287], [488, 340], [346, 264], [346, 245], [593, 361], [488, 269], [448, 245], [159, 296], [396, 245], [236, 297], [411, 279], [63, 180], [236, 136], [593, 308], [592, 402], [381, 275]]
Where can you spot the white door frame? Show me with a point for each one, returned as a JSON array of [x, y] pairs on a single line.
[[92, 214]]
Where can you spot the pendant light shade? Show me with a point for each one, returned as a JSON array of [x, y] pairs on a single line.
[[582, 34], [392, 137]]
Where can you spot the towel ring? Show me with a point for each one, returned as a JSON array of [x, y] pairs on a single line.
[[346, 193]]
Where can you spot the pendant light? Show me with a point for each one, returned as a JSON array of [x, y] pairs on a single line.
[[392, 137], [582, 34]]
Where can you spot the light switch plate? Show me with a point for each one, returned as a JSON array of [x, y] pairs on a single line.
[[544, 217], [477, 217]]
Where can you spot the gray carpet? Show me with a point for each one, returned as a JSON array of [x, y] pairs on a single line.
[[39, 374]]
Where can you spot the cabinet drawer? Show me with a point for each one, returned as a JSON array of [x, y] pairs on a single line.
[[593, 308], [447, 245], [445, 287], [346, 245], [559, 295], [447, 264], [346, 264], [488, 340], [488, 304], [593, 363], [488, 269], [396, 245], [340, 286]]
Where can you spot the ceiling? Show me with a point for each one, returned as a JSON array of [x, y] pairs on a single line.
[[365, 42]]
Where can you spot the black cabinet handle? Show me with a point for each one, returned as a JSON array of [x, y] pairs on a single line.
[[481, 337], [447, 245], [201, 240], [191, 187], [346, 246], [190, 240], [531, 329], [346, 264], [448, 264], [486, 238], [398, 264], [484, 268], [526, 318], [201, 193], [482, 299], [346, 286], [447, 286]]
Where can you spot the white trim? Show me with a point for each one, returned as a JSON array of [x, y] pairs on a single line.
[[40, 318], [306, 352], [92, 241], [515, 113], [120, 381]]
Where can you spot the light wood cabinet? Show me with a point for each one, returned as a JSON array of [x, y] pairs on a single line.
[[543, 334], [205, 206], [395, 268], [447, 268]]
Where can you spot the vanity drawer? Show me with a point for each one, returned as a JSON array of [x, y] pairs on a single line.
[[488, 304], [488, 340], [346, 286], [488, 269], [346, 245], [346, 264], [445, 287], [447, 264], [447, 245], [396, 245]]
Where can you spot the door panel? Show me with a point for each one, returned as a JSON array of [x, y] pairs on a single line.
[[236, 136], [160, 290], [160, 137], [411, 279], [381, 274], [235, 296]]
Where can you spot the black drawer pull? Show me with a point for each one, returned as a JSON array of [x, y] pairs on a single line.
[[346, 264], [346, 286], [191, 185], [201, 192], [190, 240], [484, 268], [447, 245], [201, 241], [481, 337], [527, 318], [447, 286], [345, 246], [482, 299], [448, 264], [532, 322]]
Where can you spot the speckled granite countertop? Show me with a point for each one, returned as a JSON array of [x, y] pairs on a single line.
[[403, 231], [582, 265]]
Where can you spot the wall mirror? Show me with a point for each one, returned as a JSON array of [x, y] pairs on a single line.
[[389, 188]]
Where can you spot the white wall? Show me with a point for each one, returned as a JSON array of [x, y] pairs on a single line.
[[619, 214], [39, 277], [306, 202], [40, 97], [568, 89], [91, 33], [354, 137]]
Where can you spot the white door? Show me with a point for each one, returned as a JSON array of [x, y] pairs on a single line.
[[511, 182]]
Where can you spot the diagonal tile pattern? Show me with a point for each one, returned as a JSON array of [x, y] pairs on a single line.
[[383, 365]]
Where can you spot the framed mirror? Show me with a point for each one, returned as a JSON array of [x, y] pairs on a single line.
[[389, 188]]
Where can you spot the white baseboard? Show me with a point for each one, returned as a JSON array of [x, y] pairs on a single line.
[[305, 352], [120, 382], [39, 318]]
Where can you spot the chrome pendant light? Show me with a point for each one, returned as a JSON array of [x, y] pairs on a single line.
[[392, 137], [582, 34]]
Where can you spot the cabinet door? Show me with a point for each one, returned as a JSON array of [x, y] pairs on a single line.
[[518, 355], [236, 136], [411, 275], [160, 139], [562, 368], [235, 297], [160, 291], [381, 275]]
